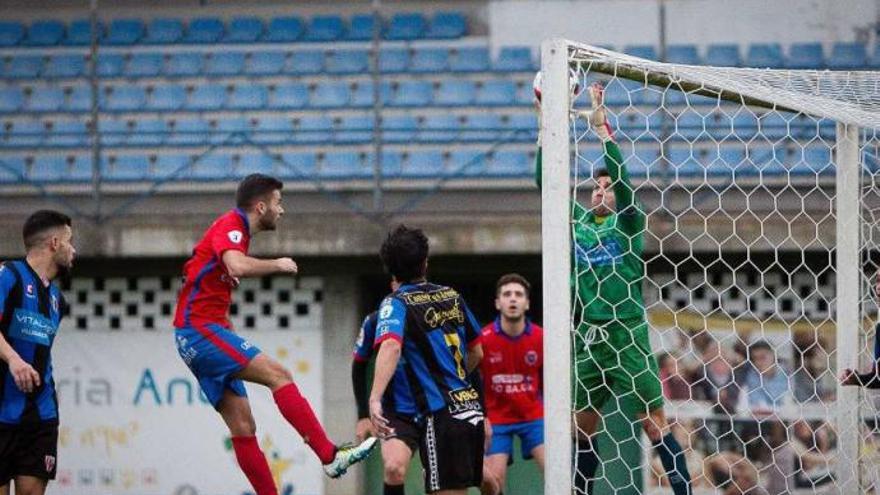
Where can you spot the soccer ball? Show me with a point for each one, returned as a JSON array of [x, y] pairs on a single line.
[[574, 85]]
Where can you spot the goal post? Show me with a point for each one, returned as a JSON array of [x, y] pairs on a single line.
[[757, 198]]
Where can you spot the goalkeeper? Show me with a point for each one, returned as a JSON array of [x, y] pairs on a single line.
[[611, 349]]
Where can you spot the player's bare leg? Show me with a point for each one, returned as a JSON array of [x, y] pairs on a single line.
[[396, 456], [236, 413], [29, 485], [671, 455], [496, 465], [538, 455]]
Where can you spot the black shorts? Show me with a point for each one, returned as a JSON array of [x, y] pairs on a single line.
[[451, 450], [28, 450], [405, 429]]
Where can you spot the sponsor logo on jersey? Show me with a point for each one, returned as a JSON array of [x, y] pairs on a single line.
[[235, 236], [531, 358], [245, 345], [386, 309], [606, 252], [495, 357], [30, 290], [49, 460], [54, 304]]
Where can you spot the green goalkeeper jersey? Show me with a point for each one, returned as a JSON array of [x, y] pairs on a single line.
[[607, 253]]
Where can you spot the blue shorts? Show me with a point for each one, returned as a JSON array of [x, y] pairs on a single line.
[[213, 354], [530, 433]]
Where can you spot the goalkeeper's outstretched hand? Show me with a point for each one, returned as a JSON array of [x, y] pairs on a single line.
[[596, 116]]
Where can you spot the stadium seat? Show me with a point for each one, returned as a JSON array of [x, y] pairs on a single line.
[[284, 29], [391, 166], [184, 64], [79, 33], [12, 169], [447, 25], [44, 33], [394, 60], [455, 93], [144, 65], [125, 31], [874, 59], [641, 51], [49, 168], [471, 59], [110, 64], [301, 63], [424, 164], [313, 129], [289, 96], [360, 28], [259, 163], [167, 97], [514, 59], [813, 160], [231, 130], [193, 132], [354, 129], [206, 97], [297, 166], [149, 132], [482, 127], [848, 56], [524, 127], [509, 164], [399, 128], [331, 95], [127, 168], [265, 63], [26, 134], [683, 54], [690, 125], [11, 33], [406, 27], [23, 67], [324, 28], [344, 165], [164, 31], [64, 66], [248, 97], [67, 134], [126, 98], [272, 130], [498, 92], [745, 124], [467, 163], [244, 30], [805, 56], [81, 168], [80, 99], [45, 99], [213, 166], [204, 30], [172, 167], [347, 62], [684, 163], [224, 64], [362, 94], [766, 160], [723, 55], [773, 126], [764, 55], [440, 128], [430, 60], [113, 132], [412, 94]]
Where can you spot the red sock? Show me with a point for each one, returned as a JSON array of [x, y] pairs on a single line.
[[253, 463], [297, 411]]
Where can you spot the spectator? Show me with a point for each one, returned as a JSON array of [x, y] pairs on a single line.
[[733, 474], [675, 384], [714, 380], [812, 381], [765, 382], [813, 451]]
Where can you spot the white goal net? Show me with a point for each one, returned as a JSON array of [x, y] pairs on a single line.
[[751, 243]]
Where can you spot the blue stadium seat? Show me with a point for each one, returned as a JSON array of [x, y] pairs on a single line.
[[164, 31], [447, 25], [724, 55], [193, 132], [347, 62], [814, 160], [127, 168], [764, 55], [204, 30], [324, 28], [49, 168], [848, 56], [125, 31], [113, 132], [284, 29], [79, 33], [467, 163], [207, 97], [360, 28], [355, 129], [471, 59], [126, 98], [641, 51], [524, 126], [745, 124], [45, 99], [424, 164], [272, 130], [514, 59], [773, 125], [110, 64], [297, 166], [26, 133], [12, 169], [67, 134], [23, 67], [731, 161], [248, 97], [80, 99], [399, 128], [167, 97], [144, 65], [684, 163], [260, 163], [301, 63], [805, 56], [440, 128], [64, 66], [391, 165], [766, 160], [244, 30], [455, 93], [497, 92], [11, 33], [265, 63], [344, 165], [313, 129], [394, 60], [690, 125], [482, 127], [683, 54], [81, 168], [184, 64], [149, 132], [289, 96], [362, 95], [430, 60], [510, 164], [213, 166], [874, 59], [231, 130], [412, 94], [409, 26], [331, 95], [224, 64], [172, 167], [44, 33]]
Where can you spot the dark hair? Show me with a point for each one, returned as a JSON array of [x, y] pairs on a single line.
[[404, 253], [513, 278], [759, 345], [255, 187], [39, 222], [602, 172]]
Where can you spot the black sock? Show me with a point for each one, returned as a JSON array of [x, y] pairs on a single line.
[[393, 490], [587, 461], [675, 464]]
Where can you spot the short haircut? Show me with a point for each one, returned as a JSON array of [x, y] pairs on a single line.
[[513, 278], [602, 172], [255, 187], [404, 253], [39, 223], [760, 345]]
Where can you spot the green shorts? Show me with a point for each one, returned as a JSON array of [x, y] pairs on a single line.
[[614, 359]]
